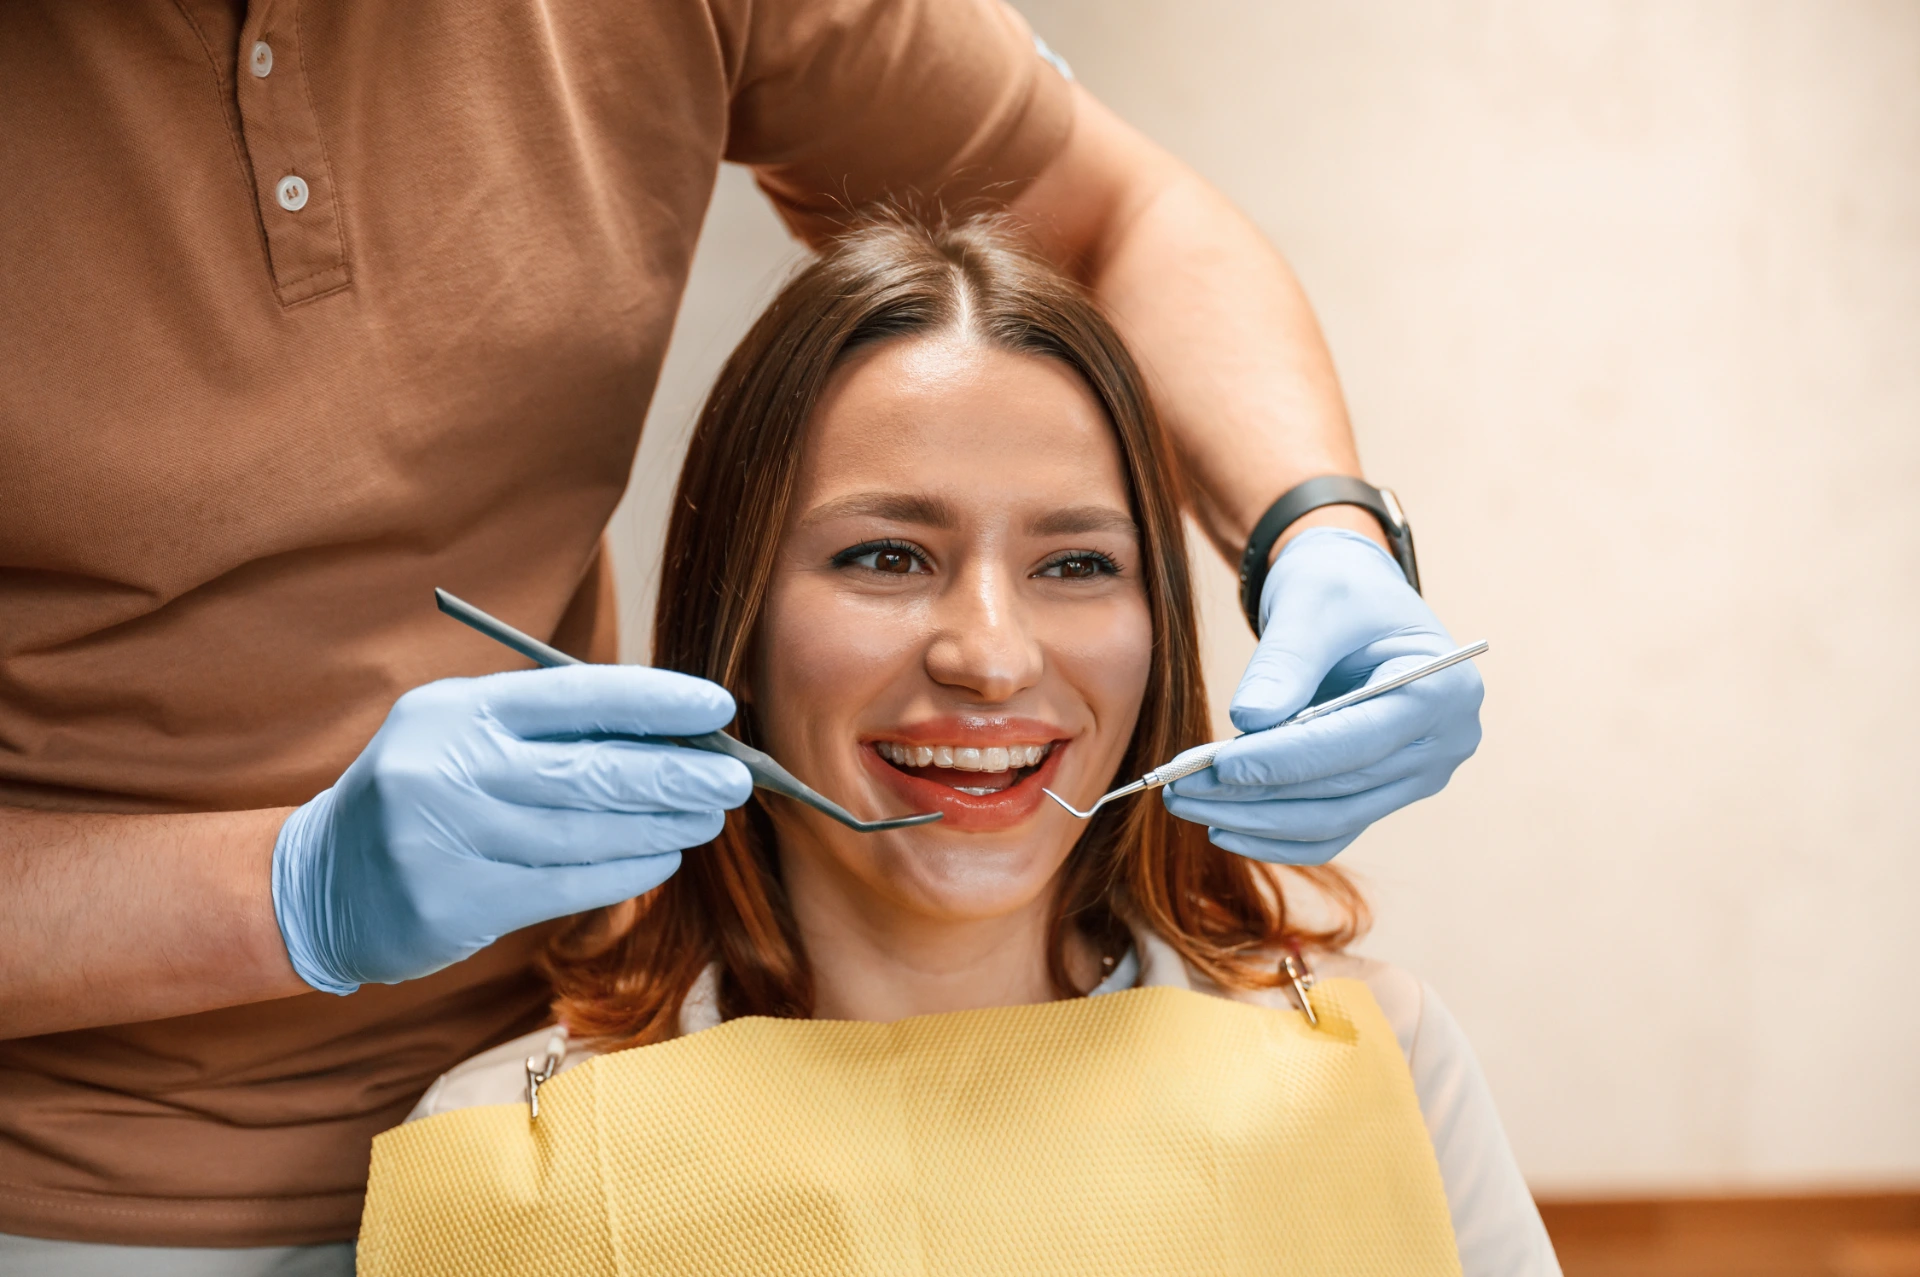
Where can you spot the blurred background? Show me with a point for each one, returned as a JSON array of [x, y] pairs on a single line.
[[1626, 302]]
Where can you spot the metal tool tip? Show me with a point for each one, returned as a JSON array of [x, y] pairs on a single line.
[[1083, 815], [882, 826], [901, 822]]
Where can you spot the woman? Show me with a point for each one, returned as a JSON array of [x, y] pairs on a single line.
[[928, 535]]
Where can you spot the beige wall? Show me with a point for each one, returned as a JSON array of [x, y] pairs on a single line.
[[1626, 298]]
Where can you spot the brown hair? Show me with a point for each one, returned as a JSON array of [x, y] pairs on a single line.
[[621, 977]]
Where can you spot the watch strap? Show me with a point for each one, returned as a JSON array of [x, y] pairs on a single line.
[[1330, 489]]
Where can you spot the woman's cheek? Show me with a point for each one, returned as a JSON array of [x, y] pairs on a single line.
[[1109, 658], [823, 650]]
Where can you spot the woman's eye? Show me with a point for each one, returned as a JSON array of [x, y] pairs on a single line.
[[893, 560], [1080, 566]]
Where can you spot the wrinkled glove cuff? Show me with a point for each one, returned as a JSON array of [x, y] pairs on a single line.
[[1309, 537], [298, 859]]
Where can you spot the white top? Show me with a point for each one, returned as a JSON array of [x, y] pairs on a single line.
[[1494, 1220]]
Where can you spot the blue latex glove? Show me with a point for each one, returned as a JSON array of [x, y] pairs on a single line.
[[483, 805], [1337, 613]]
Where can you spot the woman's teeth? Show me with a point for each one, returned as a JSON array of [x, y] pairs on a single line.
[[965, 758]]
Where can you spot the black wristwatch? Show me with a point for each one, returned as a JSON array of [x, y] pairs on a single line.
[[1331, 489]]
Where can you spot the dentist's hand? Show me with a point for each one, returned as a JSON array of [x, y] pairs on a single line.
[[483, 805], [1338, 614]]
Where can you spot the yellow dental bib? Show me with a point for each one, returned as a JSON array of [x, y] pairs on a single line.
[[1152, 1131]]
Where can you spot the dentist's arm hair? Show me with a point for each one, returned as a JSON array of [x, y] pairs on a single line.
[[110, 919]]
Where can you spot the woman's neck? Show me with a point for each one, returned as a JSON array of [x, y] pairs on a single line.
[[872, 962]]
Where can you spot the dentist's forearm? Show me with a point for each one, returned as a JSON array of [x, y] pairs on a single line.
[[108, 919], [1240, 370]]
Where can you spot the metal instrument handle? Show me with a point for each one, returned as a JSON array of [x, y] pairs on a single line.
[[1197, 759]]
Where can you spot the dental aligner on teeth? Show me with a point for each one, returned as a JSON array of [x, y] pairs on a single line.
[[992, 758]]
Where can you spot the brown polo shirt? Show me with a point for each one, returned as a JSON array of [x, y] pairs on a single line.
[[308, 307]]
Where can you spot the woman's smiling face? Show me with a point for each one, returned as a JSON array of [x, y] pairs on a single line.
[[956, 618]]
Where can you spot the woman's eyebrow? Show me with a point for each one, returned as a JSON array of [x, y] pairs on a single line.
[[1083, 518], [901, 507], [934, 512]]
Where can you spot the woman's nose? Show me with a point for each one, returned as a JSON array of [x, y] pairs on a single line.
[[984, 644]]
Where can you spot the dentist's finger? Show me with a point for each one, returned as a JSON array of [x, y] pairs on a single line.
[[527, 896], [1396, 766], [1357, 737], [1274, 852], [1306, 820], [605, 700], [611, 775], [549, 837]]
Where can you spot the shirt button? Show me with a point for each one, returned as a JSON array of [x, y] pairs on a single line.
[[292, 193], [262, 60]]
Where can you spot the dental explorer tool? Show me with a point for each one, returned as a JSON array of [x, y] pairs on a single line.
[[1201, 757], [767, 774]]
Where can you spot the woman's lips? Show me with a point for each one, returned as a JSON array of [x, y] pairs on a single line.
[[936, 789]]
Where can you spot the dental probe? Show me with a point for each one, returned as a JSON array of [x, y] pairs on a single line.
[[767, 774], [1201, 757]]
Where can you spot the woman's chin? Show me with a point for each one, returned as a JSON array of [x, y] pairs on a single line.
[[954, 885]]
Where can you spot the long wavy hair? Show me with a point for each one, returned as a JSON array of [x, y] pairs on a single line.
[[620, 976]]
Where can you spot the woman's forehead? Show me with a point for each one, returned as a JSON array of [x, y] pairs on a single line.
[[954, 424]]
